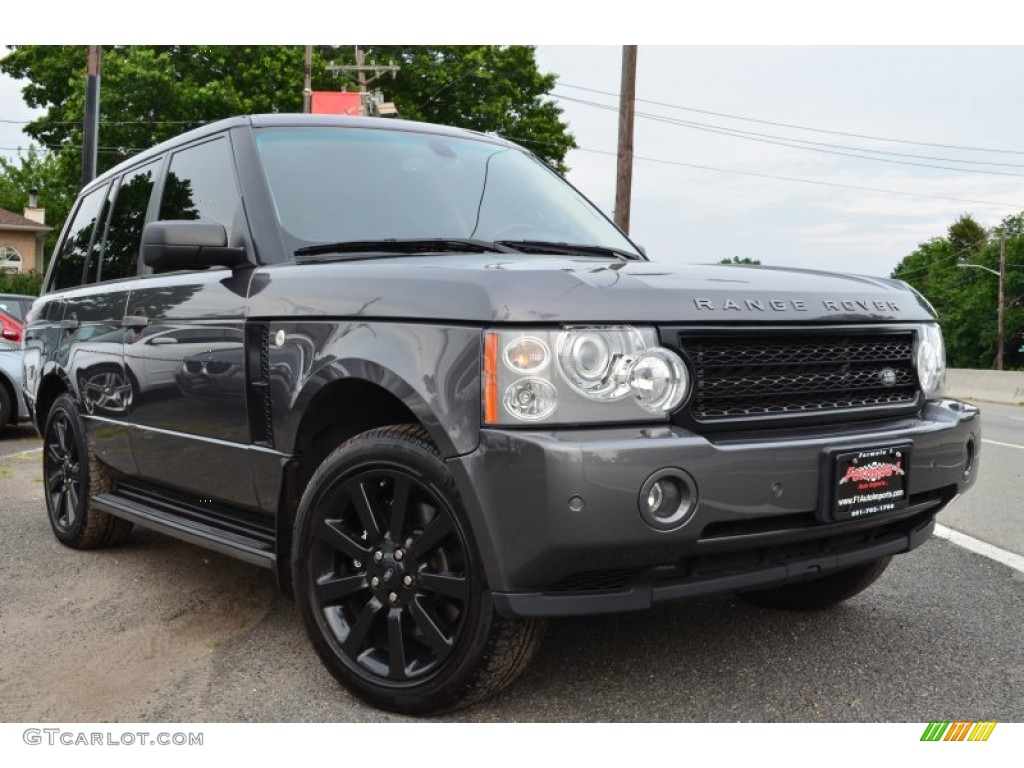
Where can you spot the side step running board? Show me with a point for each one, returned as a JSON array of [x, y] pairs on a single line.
[[241, 547]]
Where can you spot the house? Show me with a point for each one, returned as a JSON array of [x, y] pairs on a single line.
[[21, 238]]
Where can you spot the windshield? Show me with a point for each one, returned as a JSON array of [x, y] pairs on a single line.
[[345, 184]]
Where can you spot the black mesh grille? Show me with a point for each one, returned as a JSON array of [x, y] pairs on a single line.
[[793, 373], [594, 581]]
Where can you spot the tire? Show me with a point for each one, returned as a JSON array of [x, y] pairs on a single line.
[[6, 417], [72, 475], [820, 593], [390, 584]]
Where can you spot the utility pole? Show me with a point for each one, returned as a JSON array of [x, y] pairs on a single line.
[[307, 83], [624, 169], [1002, 300], [91, 123], [361, 68], [361, 73]]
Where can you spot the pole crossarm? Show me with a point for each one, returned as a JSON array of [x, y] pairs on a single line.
[[378, 70]]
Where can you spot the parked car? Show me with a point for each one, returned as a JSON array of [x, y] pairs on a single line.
[[12, 403], [16, 305], [13, 308], [10, 329], [416, 374]]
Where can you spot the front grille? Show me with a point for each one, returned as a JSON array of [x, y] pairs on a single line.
[[796, 373]]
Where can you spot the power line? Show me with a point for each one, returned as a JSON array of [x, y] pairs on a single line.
[[781, 141], [743, 134], [811, 181], [111, 122], [803, 127], [54, 148], [954, 256]]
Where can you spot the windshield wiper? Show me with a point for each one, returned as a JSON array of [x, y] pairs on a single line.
[[544, 246], [394, 246]]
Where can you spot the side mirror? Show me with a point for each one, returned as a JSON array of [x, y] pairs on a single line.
[[169, 245]]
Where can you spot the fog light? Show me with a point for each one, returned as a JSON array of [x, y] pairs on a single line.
[[667, 499], [663, 498]]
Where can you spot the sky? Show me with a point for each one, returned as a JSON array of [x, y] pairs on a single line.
[[935, 95], [759, 151]]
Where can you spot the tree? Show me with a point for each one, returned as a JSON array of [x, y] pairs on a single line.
[[481, 87], [150, 93], [966, 299], [46, 172]]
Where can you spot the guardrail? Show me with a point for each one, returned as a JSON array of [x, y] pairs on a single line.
[[993, 386]]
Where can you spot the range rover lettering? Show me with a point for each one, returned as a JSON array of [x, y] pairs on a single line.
[[417, 375]]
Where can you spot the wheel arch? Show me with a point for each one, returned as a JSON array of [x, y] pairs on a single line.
[[53, 385], [328, 420]]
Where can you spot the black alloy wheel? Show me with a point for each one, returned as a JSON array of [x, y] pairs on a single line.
[[71, 476], [62, 468], [390, 573], [389, 582]]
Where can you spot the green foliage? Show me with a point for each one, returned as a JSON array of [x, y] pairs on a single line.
[[966, 299], [26, 283], [151, 93], [47, 173], [480, 87], [739, 260]]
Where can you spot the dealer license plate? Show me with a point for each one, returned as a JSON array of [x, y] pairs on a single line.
[[870, 482]]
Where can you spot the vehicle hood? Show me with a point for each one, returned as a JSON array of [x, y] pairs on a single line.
[[495, 288]]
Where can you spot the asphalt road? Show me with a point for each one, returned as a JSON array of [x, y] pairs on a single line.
[[162, 631], [993, 511]]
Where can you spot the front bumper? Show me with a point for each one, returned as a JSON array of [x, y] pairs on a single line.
[[756, 522]]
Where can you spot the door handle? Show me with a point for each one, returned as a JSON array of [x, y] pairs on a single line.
[[134, 321], [68, 325]]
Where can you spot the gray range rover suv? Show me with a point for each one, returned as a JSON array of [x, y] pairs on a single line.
[[413, 372]]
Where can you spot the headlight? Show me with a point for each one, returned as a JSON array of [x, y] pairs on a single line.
[[611, 373], [594, 360], [930, 358]]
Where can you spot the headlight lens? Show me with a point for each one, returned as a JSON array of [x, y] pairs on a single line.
[[931, 361], [658, 380], [595, 360], [614, 373]]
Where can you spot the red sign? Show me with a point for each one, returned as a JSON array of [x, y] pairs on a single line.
[[335, 103]]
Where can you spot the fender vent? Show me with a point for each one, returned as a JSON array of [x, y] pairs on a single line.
[[261, 417]]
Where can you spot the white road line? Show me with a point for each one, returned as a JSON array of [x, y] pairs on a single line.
[[979, 547], [1005, 445], [21, 453]]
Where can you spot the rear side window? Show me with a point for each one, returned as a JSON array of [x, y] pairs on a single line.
[[124, 232], [13, 308], [201, 185], [69, 268]]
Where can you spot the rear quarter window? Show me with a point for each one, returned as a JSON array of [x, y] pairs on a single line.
[[69, 266]]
